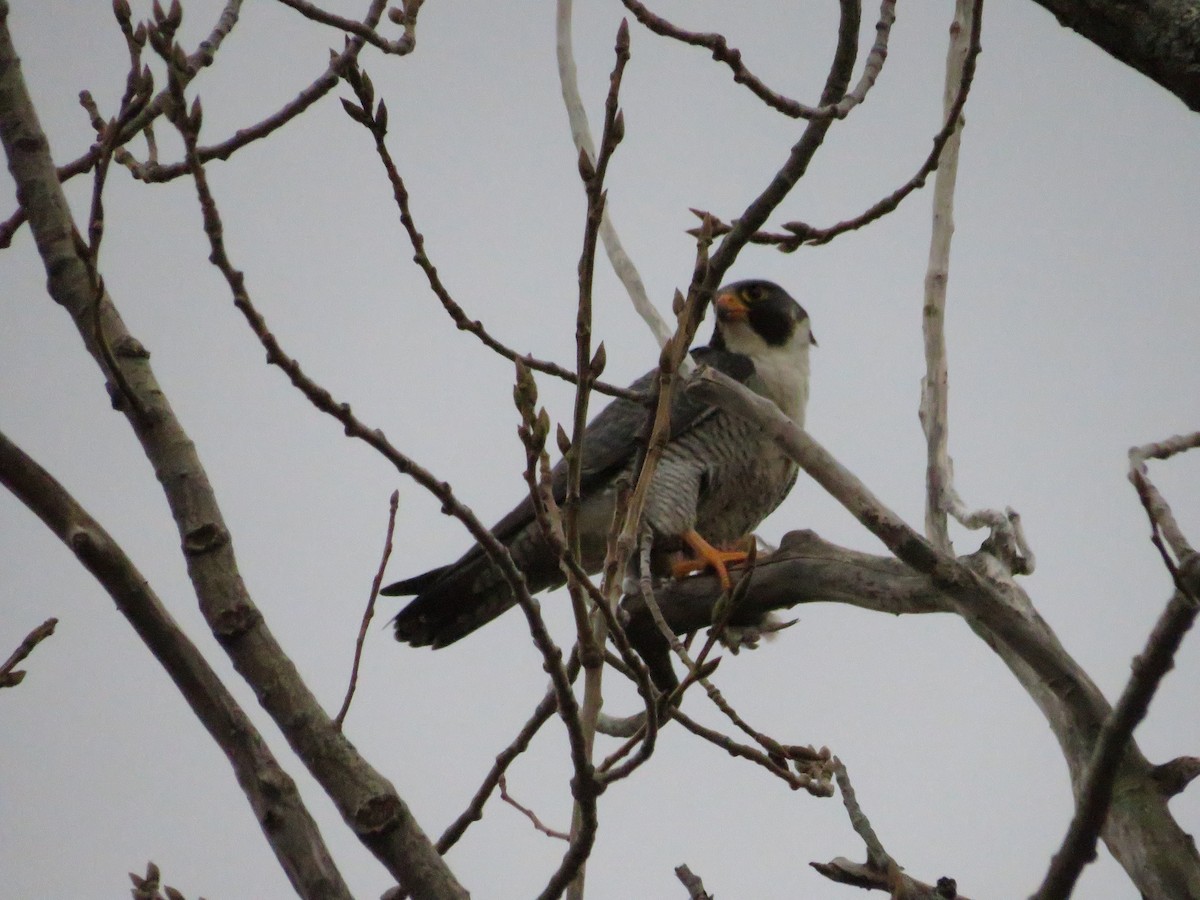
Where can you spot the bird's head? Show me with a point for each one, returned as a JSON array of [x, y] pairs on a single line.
[[755, 315], [759, 320]]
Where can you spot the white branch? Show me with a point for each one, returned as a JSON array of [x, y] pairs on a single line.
[[934, 410], [941, 498], [1156, 505], [582, 135]]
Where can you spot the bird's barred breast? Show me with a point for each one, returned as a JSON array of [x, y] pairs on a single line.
[[722, 479]]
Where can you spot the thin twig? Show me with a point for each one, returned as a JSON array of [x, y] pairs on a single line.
[[400, 47], [376, 122], [474, 811], [782, 182], [10, 678], [369, 612], [1155, 504], [545, 829], [152, 171], [732, 57], [138, 87], [591, 635], [801, 234], [533, 431], [691, 881], [202, 57], [877, 857], [744, 751]]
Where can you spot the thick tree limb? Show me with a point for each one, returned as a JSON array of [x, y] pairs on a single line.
[[1094, 792], [367, 801], [1140, 831], [1159, 38], [290, 830]]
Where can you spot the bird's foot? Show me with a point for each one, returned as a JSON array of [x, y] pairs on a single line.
[[708, 557]]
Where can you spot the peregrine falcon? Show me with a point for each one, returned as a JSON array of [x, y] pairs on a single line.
[[718, 477]]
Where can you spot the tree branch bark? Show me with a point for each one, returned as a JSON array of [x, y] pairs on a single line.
[[1159, 38], [367, 801], [1160, 858], [273, 796]]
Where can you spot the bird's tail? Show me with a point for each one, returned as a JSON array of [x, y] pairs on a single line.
[[450, 602]]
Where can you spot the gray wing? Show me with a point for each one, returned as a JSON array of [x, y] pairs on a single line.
[[454, 600]]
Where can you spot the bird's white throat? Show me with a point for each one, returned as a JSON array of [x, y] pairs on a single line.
[[781, 372]]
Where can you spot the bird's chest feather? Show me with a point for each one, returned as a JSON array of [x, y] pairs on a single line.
[[721, 479], [741, 489]]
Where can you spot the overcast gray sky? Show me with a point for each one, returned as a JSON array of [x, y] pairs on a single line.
[[1072, 328]]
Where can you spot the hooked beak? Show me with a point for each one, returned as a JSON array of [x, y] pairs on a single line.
[[731, 308]]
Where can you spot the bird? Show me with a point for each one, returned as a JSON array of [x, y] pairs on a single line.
[[718, 477]]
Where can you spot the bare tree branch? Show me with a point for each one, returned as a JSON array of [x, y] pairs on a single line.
[[691, 881], [474, 811], [880, 872], [732, 57], [861, 875], [1095, 791], [368, 803], [286, 823], [1141, 832], [401, 47], [202, 57], [592, 635], [1156, 505], [622, 264], [324, 83], [776, 767], [369, 612], [529, 813], [802, 152], [377, 125], [935, 399], [1159, 38], [8, 677], [801, 234]]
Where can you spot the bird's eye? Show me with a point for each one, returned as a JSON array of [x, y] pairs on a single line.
[[754, 293]]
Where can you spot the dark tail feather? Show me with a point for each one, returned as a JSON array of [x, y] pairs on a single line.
[[451, 602], [454, 600], [414, 585]]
